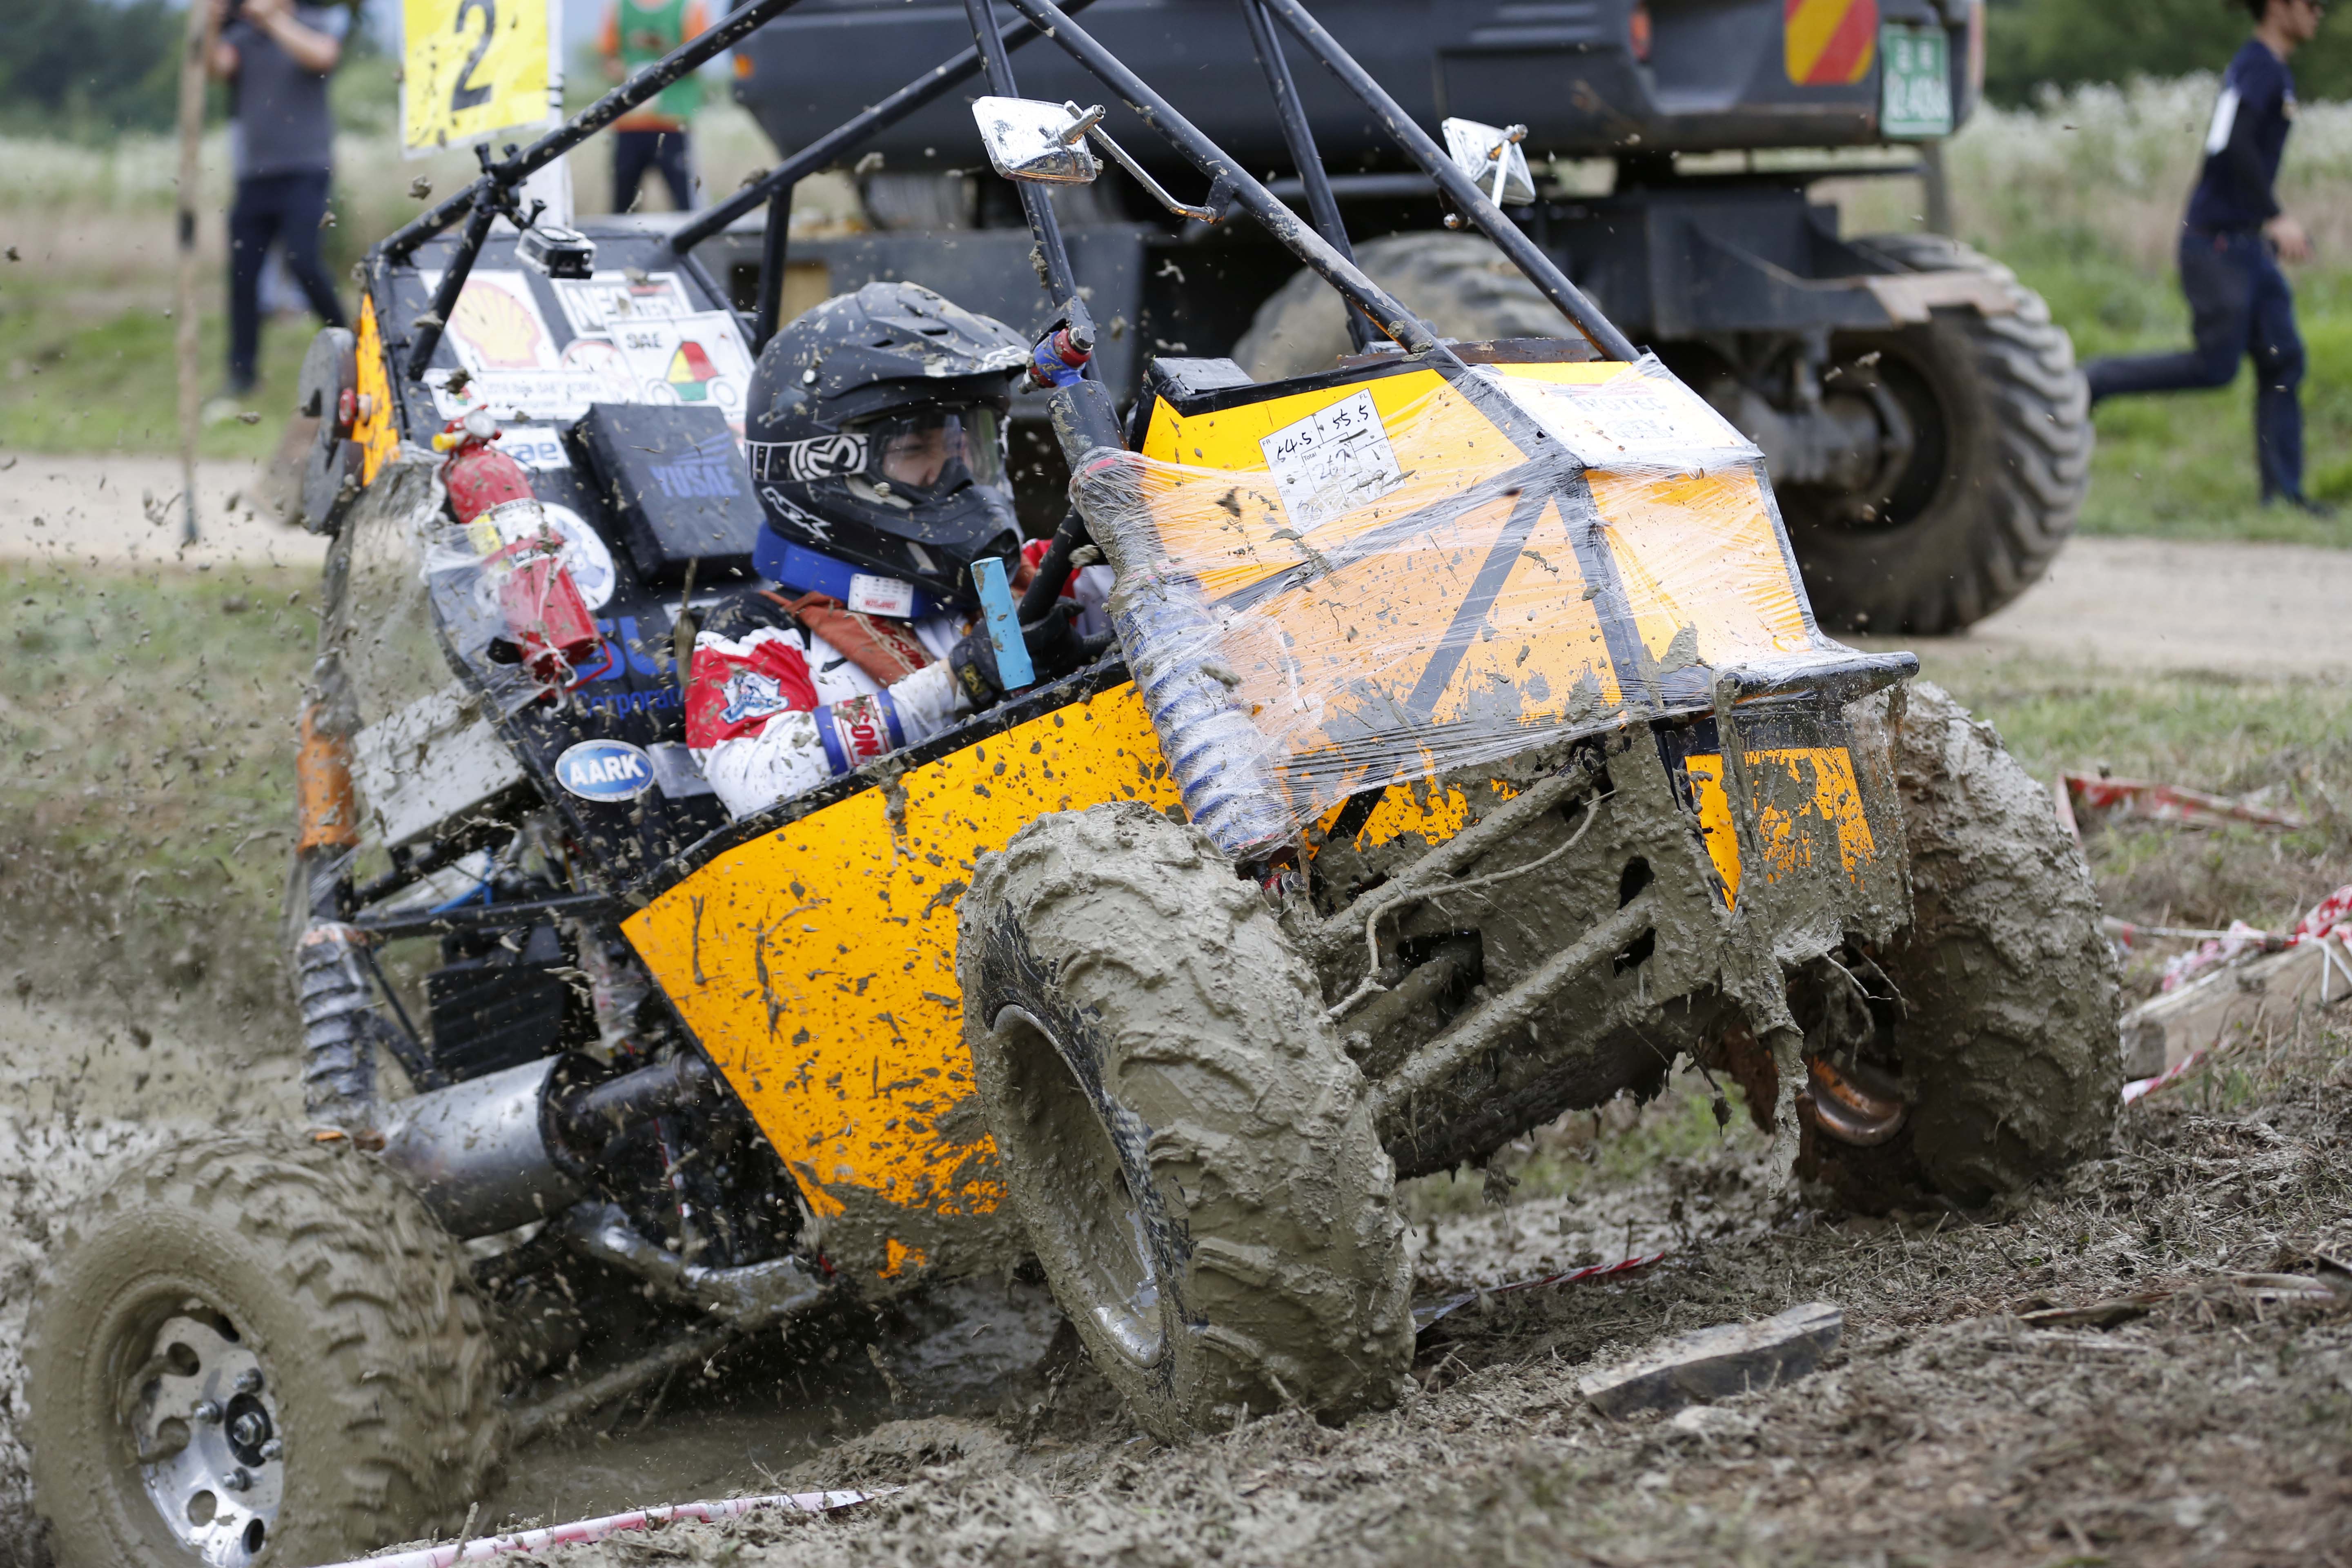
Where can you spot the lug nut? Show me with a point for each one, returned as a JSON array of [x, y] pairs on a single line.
[[205, 1411], [239, 1481], [273, 1449], [248, 1380]]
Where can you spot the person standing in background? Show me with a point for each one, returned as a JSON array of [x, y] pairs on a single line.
[[2231, 242], [654, 134], [277, 57]]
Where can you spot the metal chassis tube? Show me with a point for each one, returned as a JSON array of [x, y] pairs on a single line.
[[1459, 188], [775, 186], [1299, 135], [493, 195]]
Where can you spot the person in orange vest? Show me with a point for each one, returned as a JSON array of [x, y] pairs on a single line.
[[653, 136]]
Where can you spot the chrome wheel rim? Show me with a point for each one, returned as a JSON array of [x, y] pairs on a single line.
[[205, 1426]]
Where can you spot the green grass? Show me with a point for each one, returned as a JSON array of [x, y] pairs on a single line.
[[2181, 465], [77, 379]]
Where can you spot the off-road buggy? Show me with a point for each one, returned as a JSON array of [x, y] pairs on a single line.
[[1468, 756]]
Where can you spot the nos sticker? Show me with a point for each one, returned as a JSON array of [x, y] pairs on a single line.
[[605, 771]]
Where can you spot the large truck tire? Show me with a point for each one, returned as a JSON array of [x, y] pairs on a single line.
[[1191, 1150], [1458, 283], [286, 1340], [2002, 1026], [2000, 463]]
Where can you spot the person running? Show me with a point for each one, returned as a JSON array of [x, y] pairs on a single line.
[[653, 135], [2231, 242]]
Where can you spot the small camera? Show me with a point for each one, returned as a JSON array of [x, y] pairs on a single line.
[[557, 252]]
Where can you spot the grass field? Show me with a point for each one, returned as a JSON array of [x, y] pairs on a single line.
[[2081, 195]]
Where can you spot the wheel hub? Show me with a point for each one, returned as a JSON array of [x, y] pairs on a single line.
[[204, 1422]]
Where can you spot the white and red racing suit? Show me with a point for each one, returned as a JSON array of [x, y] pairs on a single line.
[[785, 694]]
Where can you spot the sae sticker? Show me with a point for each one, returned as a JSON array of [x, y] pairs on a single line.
[[605, 771]]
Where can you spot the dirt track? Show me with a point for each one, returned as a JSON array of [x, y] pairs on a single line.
[[2125, 604], [2211, 1427]]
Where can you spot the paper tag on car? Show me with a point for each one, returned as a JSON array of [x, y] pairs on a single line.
[[1335, 460], [881, 596], [1630, 421]]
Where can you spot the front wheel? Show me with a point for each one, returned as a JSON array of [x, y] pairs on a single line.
[[1189, 1147], [1994, 1012], [253, 1350]]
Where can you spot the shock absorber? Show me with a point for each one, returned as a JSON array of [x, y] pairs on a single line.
[[338, 1028]]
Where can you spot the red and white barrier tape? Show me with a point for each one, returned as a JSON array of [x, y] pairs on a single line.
[[582, 1530]]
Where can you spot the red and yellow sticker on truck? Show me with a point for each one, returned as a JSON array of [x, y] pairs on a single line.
[[1829, 43]]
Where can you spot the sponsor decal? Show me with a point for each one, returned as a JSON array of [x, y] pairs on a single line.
[[605, 771], [857, 730], [818, 458], [750, 695], [870, 596], [707, 471]]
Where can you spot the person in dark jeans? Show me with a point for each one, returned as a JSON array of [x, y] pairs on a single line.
[[654, 136], [2231, 244], [276, 55]]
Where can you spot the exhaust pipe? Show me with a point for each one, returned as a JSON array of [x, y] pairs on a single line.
[[476, 1153]]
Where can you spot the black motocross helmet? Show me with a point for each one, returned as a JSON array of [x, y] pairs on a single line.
[[875, 437]]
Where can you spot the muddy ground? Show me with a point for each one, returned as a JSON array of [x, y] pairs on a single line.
[[2196, 1422]]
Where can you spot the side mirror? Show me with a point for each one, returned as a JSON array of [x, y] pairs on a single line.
[[1492, 156], [1030, 139]]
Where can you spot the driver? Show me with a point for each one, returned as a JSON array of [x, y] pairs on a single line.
[[877, 442]]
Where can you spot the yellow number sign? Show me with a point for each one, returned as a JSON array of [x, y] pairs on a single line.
[[471, 68]]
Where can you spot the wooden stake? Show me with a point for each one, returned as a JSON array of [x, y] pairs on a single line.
[[195, 56]]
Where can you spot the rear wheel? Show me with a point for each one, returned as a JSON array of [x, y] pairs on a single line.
[[1994, 1012], [1458, 283], [1189, 1149], [255, 1351], [1999, 460]]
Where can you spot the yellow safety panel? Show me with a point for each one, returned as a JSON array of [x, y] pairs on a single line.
[[1825, 782], [816, 963]]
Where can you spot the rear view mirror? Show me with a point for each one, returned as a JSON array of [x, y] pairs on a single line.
[[1031, 140], [1491, 156]]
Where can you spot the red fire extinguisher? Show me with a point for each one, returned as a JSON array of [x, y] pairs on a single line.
[[547, 620]]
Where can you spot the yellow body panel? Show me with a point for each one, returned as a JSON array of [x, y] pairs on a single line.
[[378, 436], [816, 963], [1824, 781]]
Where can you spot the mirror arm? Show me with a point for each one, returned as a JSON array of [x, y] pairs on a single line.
[[1220, 188]]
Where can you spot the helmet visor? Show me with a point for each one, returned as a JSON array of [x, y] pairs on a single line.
[[936, 453]]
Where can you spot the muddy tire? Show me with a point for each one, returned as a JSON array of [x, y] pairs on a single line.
[[1458, 283], [1999, 464], [2004, 1035], [329, 1323], [1188, 1148]]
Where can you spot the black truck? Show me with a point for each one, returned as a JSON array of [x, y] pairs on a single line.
[[1925, 427]]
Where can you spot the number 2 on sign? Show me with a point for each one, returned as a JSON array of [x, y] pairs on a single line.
[[469, 93]]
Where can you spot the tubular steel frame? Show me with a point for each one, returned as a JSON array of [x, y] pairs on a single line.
[[1321, 244]]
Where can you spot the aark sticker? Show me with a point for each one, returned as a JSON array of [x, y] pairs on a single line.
[[607, 771]]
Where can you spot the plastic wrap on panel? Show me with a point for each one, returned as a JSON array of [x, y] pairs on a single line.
[[1349, 587], [501, 603]]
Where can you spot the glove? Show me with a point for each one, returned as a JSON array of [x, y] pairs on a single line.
[[1054, 647]]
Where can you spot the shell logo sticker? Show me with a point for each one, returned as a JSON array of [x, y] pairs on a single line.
[[605, 771], [1829, 42]]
